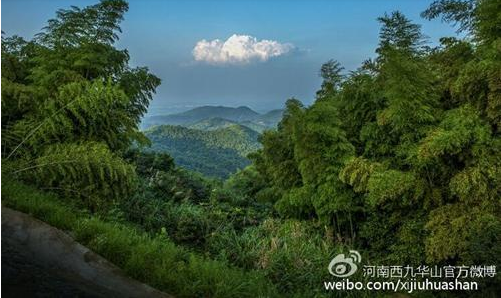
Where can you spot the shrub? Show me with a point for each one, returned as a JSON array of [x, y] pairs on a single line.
[[291, 253], [153, 259]]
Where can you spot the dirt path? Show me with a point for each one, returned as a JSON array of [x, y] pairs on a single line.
[[39, 260]]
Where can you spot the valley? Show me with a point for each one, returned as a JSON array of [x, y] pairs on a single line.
[[214, 141]]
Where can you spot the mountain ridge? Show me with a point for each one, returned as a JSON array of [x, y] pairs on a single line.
[[212, 124], [242, 115]]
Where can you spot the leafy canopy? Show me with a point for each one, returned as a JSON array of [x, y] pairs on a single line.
[[401, 157], [72, 104]]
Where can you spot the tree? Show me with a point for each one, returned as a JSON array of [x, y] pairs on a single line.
[[332, 79], [72, 104], [403, 151], [398, 33]]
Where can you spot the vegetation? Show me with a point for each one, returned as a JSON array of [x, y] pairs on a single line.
[[207, 116], [217, 153], [212, 124], [203, 113], [71, 104], [151, 258], [399, 160]]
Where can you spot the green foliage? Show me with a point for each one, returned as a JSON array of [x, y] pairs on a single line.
[[248, 183], [456, 232], [97, 23], [357, 172], [458, 12], [188, 207], [402, 155], [236, 137], [399, 159], [71, 105], [216, 153], [153, 259], [88, 171], [332, 78], [398, 33], [148, 163], [394, 187], [303, 159], [289, 253], [460, 129], [94, 111], [159, 175]]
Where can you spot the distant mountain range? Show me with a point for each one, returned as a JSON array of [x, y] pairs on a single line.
[[214, 117], [213, 140]]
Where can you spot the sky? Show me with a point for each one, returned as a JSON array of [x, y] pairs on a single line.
[[237, 53]]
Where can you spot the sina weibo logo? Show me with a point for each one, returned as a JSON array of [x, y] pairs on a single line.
[[344, 266]]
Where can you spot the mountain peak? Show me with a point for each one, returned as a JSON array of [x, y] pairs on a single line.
[[198, 114], [213, 117]]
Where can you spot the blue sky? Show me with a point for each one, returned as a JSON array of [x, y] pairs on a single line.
[[301, 35]]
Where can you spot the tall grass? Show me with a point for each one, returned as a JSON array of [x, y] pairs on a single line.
[[154, 260], [275, 259]]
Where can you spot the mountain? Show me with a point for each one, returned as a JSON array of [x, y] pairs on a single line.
[[255, 126], [213, 140], [202, 113], [218, 152], [212, 124], [214, 117]]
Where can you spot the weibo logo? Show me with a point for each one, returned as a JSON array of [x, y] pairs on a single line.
[[344, 266]]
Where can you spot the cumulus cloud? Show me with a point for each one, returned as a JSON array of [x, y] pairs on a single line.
[[239, 49]]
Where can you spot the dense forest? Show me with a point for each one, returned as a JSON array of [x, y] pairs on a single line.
[[212, 124], [213, 149], [399, 159]]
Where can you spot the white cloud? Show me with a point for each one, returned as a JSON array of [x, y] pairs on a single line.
[[239, 49]]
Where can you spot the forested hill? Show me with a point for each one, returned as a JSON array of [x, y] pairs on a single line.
[[212, 124], [202, 113], [213, 140], [242, 115], [217, 152]]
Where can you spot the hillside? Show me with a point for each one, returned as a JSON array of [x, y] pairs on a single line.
[[216, 153], [214, 117], [212, 124], [255, 126], [202, 113]]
